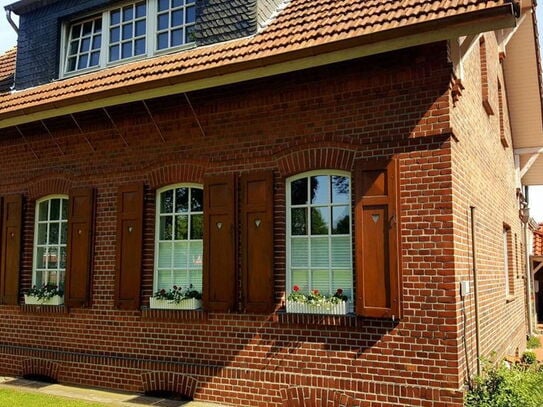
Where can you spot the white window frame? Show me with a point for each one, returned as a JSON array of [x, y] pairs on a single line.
[[59, 270], [289, 236], [157, 226], [506, 231], [151, 40]]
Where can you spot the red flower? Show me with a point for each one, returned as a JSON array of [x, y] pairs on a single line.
[[339, 291], [315, 292], [296, 288]]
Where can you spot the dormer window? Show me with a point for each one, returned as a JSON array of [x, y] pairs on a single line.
[[122, 33]]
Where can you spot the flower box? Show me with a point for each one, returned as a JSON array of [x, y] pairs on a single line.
[[54, 300], [325, 309], [189, 303]]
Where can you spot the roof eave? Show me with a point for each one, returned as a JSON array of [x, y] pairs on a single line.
[[332, 52]]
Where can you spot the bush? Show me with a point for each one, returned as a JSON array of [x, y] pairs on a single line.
[[529, 358], [507, 386], [533, 342]]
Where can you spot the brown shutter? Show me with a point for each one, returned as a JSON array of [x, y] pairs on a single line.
[[257, 241], [376, 228], [220, 278], [129, 246], [80, 230], [11, 249]]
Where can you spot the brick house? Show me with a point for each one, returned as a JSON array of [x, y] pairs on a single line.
[[246, 147]]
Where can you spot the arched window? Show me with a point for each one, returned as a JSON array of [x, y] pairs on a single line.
[[179, 237], [319, 242], [50, 235]]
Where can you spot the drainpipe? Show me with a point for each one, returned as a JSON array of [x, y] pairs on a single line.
[[11, 22], [528, 267], [475, 291]]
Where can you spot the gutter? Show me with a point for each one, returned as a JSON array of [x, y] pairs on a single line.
[[256, 68]]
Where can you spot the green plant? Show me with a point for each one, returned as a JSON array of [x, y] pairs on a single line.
[[533, 342], [507, 385], [45, 292], [529, 358], [177, 294], [314, 297]]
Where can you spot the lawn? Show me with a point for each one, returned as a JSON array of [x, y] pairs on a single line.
[[18, 398]]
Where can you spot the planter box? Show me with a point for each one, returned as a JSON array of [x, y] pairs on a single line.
[[56, 300], [190, 303], [329, 309]]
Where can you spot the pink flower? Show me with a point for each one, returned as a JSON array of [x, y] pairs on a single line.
[[315, 292], [339, 291], [296, 288]]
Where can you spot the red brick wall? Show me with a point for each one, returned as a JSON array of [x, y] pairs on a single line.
[[397, 104], [484, 177]]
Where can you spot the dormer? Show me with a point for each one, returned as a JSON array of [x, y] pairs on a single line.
[[63, 38]]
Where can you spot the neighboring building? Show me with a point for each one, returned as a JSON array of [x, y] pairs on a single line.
[[246, 147], [536, 258]]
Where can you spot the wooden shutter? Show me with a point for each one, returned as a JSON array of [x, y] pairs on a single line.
[[129, 246], [220, 279], [11, 249], [376, 234], [80, 232], [257, 241]]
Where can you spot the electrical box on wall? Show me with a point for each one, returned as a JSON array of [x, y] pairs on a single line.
[[464, 288]]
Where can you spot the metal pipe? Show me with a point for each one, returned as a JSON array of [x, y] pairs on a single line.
[[475, 291], [11, 22]]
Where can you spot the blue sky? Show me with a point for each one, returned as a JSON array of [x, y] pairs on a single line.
[[8, 39]]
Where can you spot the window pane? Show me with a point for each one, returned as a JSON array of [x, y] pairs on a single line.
[[55, 209], [85, 45], [197, 199], [97, 42], [114, 53], [54, 233], [162, 41], [87, 28], [166, 228], [163, 5], [341, 220], [320, 253], [115, 17], [181, 200], [181, 255], [139, 47], [177, 3], [320, 219], [164, 279], [40, 258], [95, 59], [163, 21], [127, 31], [342, 279], [181, 278], [83, 60], [128, 13], [98, 25], [197, 227], [196, 250], [63, 232], [341, 251], [181, 227], [43, 210], [165, 255], [140, 28], [340, 189], [177, 18], [76, 31], [298, 192], [320, 280], [62, 257], [196, 279], [320, 190], [42, 233], [191, 14], [301, 279], [189, 33], [166, 201], [141, 10], [299, 252], [114, 34], [52, 258], [74, 45], [299, 221], [177, 37], [126, 50]]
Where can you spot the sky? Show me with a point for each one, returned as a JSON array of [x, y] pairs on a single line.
[[8, 39]]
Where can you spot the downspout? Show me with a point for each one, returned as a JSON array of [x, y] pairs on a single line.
[[475, 291], [528, 267], [11, 22]]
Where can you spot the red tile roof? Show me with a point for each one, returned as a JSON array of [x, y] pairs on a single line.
[[538, 241], [7, 69], [304, 28]]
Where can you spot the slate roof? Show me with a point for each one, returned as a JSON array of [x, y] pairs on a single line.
[[303, 28], [7, 69]]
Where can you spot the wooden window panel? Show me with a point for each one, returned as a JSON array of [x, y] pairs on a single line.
[[11, 249]]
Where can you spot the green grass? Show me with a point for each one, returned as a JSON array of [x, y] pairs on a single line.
[[533, 342], [18, 398]]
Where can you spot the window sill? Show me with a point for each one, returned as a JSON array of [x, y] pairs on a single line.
[[172, 314], [43, 309], [510, 298], [488, 108]]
